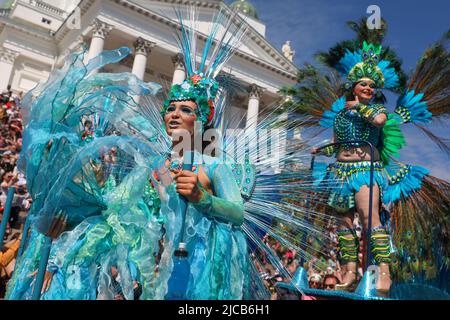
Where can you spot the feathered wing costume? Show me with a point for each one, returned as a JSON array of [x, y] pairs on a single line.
[[418, 202], [107, 179]]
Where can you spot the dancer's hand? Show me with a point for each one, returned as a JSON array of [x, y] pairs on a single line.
[[98, 172], [352, 104], [49, 144], [187, 185], [47, 281], [48, 277], [96, 167], [315, 150]]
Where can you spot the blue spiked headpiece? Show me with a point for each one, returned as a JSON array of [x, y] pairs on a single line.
[[200, 85], [366, 63]]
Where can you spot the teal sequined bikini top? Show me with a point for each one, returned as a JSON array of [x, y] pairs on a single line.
[[350, 125]]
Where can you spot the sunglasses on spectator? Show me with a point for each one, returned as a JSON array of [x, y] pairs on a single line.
[[329, 286]]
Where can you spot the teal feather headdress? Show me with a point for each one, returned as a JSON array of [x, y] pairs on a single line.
[[221, 42], [367, 63]]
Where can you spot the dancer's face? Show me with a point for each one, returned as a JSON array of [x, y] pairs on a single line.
[[364, 90], [180, 115]]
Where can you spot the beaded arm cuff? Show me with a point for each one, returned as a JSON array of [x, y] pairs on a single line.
[[328, 151], [404, 113], [370, 112]]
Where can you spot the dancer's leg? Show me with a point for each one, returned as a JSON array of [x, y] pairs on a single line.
[[380, 244], [362, 206]]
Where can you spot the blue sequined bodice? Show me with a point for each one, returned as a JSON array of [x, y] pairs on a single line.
[[350, 125]]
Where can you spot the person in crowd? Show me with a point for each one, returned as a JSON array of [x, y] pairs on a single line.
[[7, 260], [329, 282], [315, 281]]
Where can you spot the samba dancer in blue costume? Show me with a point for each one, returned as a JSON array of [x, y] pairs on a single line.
[[401, 188], [116, 218], [359, 119]]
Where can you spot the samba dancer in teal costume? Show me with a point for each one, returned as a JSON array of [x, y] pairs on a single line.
[[140, 209], [123, 212]]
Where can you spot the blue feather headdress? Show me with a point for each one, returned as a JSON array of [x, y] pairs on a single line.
[[222, 40], [366, 63]]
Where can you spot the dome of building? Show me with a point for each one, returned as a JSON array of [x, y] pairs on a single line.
[[245, 7], [7, 4]]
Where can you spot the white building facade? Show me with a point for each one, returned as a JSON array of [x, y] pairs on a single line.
[[36, 36]]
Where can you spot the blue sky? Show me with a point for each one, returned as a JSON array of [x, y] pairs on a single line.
[[316, 25]]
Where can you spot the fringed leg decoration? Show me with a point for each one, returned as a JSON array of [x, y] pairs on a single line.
[[348, 247], [381, 252]]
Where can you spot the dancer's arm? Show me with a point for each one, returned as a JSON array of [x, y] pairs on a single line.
[[375, 114], [327, 151], [227, 203]]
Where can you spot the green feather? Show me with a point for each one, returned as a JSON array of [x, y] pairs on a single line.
[[393, 140]]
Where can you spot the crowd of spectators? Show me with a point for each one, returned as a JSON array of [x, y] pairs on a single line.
[[10, 147], [324, 271]]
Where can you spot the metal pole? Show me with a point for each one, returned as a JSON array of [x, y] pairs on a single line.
[[369, 227], [45, 253], [24, 235], [6, 214]]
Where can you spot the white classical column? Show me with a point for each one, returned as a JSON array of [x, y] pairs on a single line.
[[179, 73], [253, 106], [142, 49], [101, 31], [282, 143], [7, 58]]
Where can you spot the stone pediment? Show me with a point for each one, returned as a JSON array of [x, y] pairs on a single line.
[[256, 48]]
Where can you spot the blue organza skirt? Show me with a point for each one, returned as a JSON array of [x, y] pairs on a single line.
[[341, 180]]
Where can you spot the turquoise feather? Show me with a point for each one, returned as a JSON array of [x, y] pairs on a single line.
[[416, 108]]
